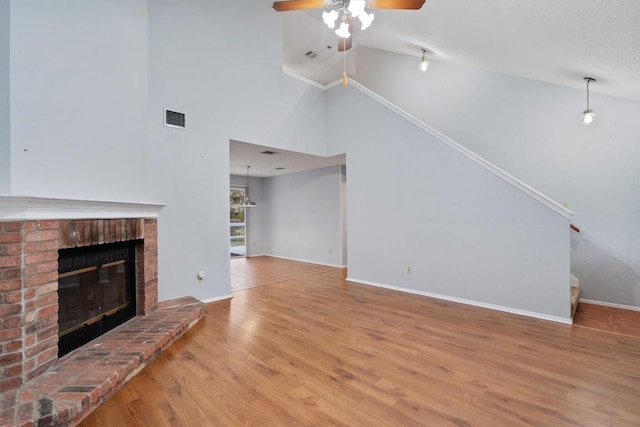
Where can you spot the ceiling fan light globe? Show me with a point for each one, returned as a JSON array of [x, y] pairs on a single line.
[[343, 31], [356, 7], [366, 19], [423, 65], [587, 117], [330, 18]]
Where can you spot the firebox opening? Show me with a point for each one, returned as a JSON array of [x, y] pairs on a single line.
[[96, 292]]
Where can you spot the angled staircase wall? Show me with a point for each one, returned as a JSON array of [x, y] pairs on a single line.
[[427, 216]]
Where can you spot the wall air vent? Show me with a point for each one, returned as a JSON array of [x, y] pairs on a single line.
[[174, 119]]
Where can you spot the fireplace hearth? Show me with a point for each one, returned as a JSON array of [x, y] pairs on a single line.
[[42, 243]]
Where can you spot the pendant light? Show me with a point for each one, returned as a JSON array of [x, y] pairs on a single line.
[[423, 64], [588, 116], [248, 203]]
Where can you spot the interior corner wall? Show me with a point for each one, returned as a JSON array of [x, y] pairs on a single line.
[[343, 212], [5, 111], [79, 98], [531, 130], [414, 202], [196, 68], [304, 216]]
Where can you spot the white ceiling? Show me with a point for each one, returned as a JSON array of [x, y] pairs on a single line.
[[554, 41], [243, 154]]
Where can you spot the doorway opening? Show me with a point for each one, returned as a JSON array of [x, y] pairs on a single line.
[[237, 223]]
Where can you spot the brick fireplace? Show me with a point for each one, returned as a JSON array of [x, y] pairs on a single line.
[[37, 388], [29, 284]]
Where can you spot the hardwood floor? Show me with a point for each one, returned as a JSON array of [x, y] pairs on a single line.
[[608, 319], [263, 270], [317, 350]]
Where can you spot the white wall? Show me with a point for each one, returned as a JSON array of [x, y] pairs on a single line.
[[305, 214], [79, 98], [343, 213], [230, 87], [415, 202], [531, 130], [5, 142], [89, 81]]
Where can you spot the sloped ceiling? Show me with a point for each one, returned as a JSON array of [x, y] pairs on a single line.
[[552, 41]]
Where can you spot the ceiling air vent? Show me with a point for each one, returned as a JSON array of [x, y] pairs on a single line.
[[311, 54], [269, 152], [174, 119]]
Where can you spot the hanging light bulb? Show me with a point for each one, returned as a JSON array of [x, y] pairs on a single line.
[[343, 31], [588, 116], [248, 203], [366, 19], [330, 18], [356, 7], [423, 64]]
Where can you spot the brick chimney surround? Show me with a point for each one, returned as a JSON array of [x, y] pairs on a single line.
[[37, 388]]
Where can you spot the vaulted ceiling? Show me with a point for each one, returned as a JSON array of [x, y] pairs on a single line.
[[554, 41]]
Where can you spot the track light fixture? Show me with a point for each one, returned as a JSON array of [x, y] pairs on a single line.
[[588, 116]]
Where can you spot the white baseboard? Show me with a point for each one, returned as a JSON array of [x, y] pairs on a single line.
[[566, 321], [610, 304], [214, 299], [307, 261]]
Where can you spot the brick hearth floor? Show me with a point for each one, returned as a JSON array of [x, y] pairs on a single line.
[[86, 377]]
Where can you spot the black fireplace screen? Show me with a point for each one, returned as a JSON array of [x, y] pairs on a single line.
[[96, 292]]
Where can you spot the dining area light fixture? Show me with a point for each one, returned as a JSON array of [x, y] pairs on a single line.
[[588, 116], [344, 11], [248, 203], [423, 64]]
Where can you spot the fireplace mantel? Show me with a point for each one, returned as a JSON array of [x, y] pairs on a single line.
[[13, 207]]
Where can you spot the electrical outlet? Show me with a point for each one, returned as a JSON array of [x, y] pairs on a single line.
[[408, 270]]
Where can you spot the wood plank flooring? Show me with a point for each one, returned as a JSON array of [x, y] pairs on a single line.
[[263, 270], [608, 319], [317, 350]]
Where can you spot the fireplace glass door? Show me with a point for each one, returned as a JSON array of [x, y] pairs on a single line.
[[96, 292]]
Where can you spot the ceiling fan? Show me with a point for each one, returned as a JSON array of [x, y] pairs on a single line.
[[346, 11]]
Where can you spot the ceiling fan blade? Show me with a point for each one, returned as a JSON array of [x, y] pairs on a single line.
[[284, 6], [397, 4]]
